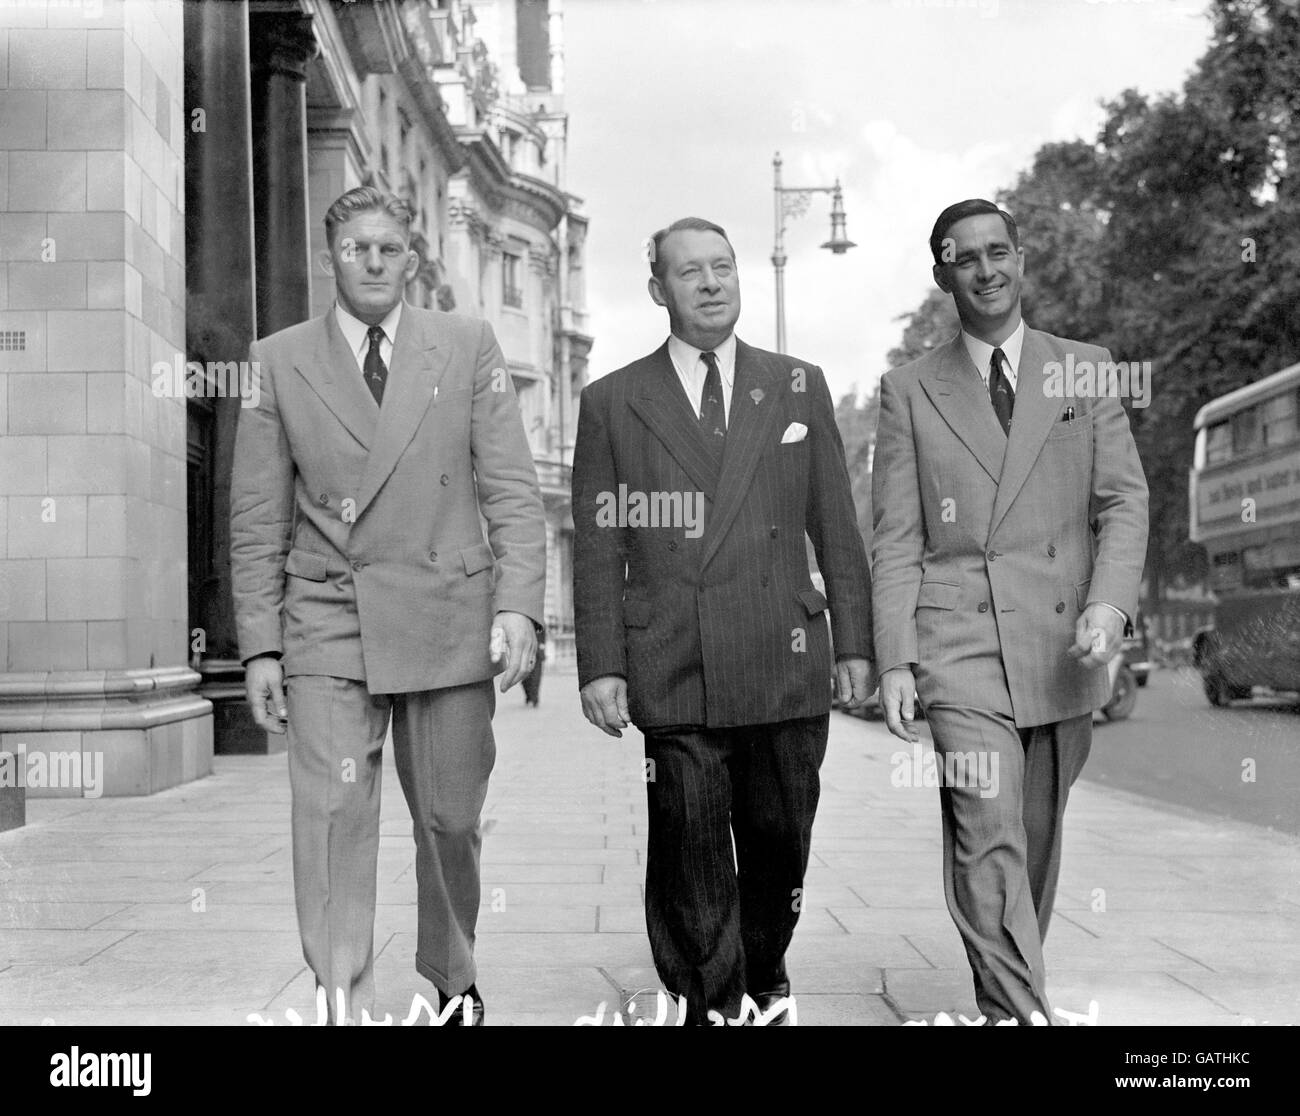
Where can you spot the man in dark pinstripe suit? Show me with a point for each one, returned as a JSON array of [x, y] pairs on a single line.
[[710, 637]]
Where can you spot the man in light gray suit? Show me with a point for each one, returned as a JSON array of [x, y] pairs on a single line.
[[1010, 534], [365, 591]]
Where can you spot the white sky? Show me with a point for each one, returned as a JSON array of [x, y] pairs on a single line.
[[676, 108]]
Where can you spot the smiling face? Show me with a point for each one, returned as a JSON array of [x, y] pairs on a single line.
[[371, 262], [700, 288], [983, 277]]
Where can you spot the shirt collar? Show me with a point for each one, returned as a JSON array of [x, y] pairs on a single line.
[[355, 331], [686, 356], [981, 352]]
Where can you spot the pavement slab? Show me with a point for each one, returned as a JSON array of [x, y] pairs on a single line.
[[178, 908]]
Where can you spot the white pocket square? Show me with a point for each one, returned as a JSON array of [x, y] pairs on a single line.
[[795, 432]]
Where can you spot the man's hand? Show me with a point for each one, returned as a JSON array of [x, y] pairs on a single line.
[[264, 687], [513, 636], [604, 703], [1098, 635], [898, 698], [855, 682]]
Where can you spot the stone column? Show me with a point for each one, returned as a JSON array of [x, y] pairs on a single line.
[[220, 324], [282, 44]]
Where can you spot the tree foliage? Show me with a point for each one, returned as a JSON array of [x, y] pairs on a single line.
[[1172, 237]]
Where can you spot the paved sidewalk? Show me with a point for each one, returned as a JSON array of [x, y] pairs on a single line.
[[179, 908]]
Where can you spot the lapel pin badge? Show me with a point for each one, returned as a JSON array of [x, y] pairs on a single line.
[[757, 396]]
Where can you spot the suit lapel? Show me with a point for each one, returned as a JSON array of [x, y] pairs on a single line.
[[749, 427], [660, 402], [332, 373], [1035, 411], [954, 386], [418, 364]]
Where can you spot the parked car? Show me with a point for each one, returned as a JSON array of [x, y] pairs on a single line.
[[1129, 671], [1255, 641]]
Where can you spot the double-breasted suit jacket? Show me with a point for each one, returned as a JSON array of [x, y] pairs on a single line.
[[358, 545], [987, 548], [722, 627]]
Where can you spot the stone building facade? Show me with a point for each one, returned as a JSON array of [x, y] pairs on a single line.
[[164, 169]]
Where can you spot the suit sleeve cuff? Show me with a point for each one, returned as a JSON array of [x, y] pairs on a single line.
[[1128, 624]]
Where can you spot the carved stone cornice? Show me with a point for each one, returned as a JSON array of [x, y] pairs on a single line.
[[374, 34], [535, 201], [281, 43], [542, 263]]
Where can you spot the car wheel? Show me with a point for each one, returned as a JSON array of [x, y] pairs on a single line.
[[1216, 690], [1124, 698]]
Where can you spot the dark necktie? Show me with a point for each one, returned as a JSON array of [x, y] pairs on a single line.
[[376, 372], [713, 414], [1004, 399]]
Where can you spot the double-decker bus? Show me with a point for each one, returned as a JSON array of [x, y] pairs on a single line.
[[1245, 511]]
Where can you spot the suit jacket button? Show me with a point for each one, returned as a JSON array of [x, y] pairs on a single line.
[[672, 545], [1060, 606], [772, 532], [1051, 551], [444, 479], [992, 555], [984, 606], [323, 500], [358, 565], [433, 556]]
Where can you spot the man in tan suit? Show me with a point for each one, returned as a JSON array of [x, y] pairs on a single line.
[[1010, 534], [366, 592]]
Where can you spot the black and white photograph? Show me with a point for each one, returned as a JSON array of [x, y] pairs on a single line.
[[552, 513]]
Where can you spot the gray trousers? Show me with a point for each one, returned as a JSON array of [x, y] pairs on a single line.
[[444, 751], [1002, 852]]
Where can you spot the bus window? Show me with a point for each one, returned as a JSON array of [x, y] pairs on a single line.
[[1218, 445], [1225, 571], [1256, 567], [1245, 431], [1279, 419]]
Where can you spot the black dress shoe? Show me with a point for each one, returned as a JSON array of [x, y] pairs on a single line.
[[772, 988], [768, 999], [457, 1018]]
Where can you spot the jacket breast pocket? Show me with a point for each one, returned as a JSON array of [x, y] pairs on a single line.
[[938, 594], [1064, 431], [307, 564]]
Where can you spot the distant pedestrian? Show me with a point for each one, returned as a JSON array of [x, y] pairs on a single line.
[[533, 679]]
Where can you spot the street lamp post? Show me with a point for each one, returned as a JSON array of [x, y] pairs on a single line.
[[792, 201]]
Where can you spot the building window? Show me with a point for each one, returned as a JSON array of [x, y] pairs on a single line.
[[512, 290]]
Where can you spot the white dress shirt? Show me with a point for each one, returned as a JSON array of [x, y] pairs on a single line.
[[355, 333], [691, 370], [981, 352]]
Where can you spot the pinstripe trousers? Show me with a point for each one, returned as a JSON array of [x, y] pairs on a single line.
[[731, 814]]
